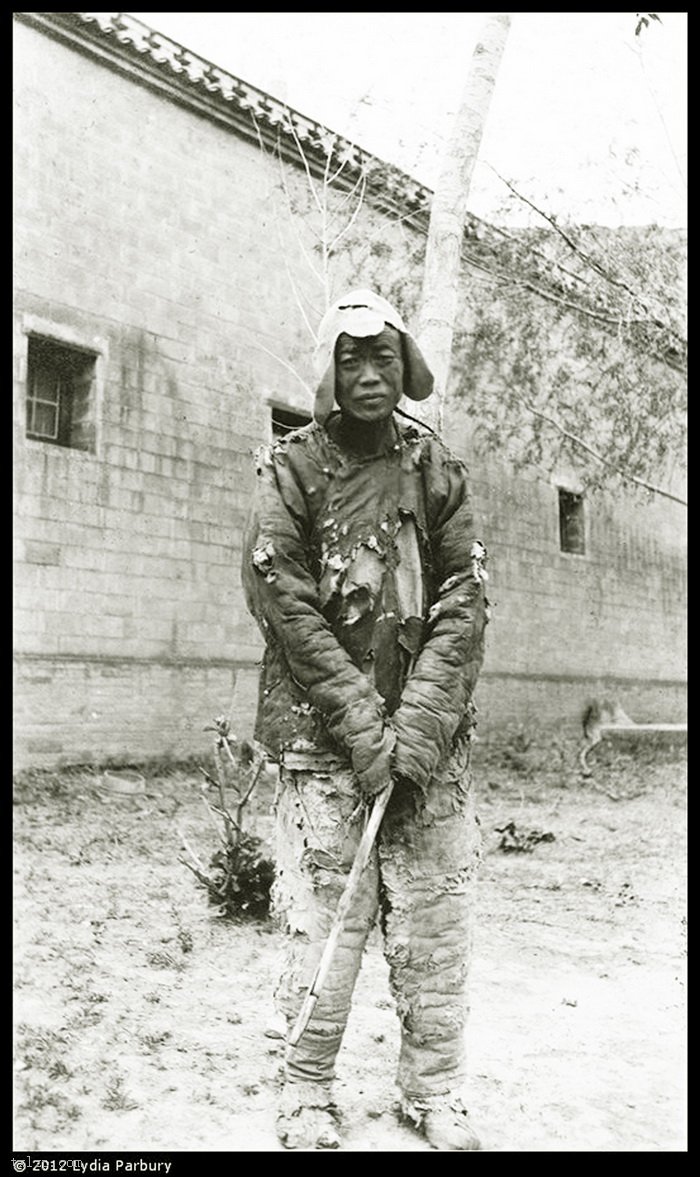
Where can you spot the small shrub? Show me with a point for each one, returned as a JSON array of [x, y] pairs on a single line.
[[241, 878], [238, 876]]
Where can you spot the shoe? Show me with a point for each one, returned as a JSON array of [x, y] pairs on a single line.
[[445, 1125], [449, 1129], [307, 1117]]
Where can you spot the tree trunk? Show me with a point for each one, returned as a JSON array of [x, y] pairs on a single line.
[[448, 212]]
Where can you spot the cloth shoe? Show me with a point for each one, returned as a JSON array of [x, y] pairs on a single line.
[[307, 1117], [444, 1122]]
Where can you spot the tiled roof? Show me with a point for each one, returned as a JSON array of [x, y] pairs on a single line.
[[123, 42]]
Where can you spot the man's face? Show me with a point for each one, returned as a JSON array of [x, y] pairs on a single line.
[[369, 375]]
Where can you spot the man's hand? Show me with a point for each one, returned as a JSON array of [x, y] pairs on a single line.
[[371, 761]]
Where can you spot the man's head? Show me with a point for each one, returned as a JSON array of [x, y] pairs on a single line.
[[367, 360], [369, 375]]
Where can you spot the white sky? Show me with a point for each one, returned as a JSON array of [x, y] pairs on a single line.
[[586, 118]]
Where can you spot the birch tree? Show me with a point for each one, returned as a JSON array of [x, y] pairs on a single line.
[[448, 214]]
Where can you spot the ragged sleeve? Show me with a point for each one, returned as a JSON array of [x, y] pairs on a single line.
[[439, 689]]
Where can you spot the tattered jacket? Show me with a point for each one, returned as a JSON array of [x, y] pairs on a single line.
[[367, 581]]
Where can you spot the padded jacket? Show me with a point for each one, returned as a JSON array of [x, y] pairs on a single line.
[[367, 581]]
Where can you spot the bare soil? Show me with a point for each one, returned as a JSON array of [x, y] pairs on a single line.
[[142, 1018]]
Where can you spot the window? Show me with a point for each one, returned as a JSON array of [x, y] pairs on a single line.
[[572, 537], [60, 398], [284, 420]]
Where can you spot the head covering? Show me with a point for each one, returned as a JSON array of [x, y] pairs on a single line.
[[361, 313]]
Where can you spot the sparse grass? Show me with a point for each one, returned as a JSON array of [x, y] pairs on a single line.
[[116, 1099], [163, 960], [152, 1042], [121, 959], [41, 1049], [184, 939], [55, 781], [41, 1098]]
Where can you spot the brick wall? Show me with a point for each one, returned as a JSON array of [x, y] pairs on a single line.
[[617, 612], [133, 228], [84, 710], [154, 237]]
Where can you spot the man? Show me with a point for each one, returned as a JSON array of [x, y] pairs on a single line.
[[363, 571]]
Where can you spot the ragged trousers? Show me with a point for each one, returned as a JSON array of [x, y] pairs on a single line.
[[420, 878]]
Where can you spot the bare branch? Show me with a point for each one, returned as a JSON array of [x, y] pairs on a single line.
[[574, 306], [326, 170], [353, 218], [283, 180], [334, 177], [223, 811], [325, 249], [253, 783], [348, 196], [204, 879], [273, 355], [228, 817], [207, 776], [399, 222], [305, 254], [578, 308], [589, 260], [523, 284], [244, 800], [599, 457], [208, 807], [540, 253], [299, 303], [195, 857], [304, 160], [229, 753]]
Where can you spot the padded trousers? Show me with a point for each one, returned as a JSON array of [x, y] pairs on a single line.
[[420, 879]]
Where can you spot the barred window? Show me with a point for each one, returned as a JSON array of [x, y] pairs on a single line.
[[572, 531], [60, 394]]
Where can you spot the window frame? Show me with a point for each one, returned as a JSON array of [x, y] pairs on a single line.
[[34, 401], [93, 346], [578, 498], [70, 371]]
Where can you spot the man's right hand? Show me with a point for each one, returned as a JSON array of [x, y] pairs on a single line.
[[371, 762]]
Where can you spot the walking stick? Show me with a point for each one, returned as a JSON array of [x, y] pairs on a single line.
[[363, 852]]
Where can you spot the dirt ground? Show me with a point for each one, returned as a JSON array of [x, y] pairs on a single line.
[[141, 1018]]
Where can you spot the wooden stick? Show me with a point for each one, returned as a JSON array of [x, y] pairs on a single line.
[[361, 858]]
